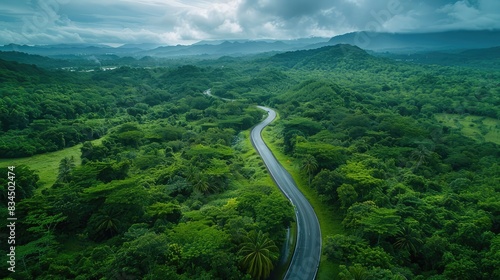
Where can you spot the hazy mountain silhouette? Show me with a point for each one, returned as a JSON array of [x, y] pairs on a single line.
[[397, 42], [448, 40]]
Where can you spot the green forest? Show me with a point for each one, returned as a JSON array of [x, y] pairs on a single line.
[[401, 159]]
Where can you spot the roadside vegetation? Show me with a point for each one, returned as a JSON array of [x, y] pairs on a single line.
[[171, 190], [400, 161]]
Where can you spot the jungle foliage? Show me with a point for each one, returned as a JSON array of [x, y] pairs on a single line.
[[166, 194], [386, 147], [174, 192]]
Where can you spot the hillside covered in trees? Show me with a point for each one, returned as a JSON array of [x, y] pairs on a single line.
[[404, 158], [171, 190], [417, 196]]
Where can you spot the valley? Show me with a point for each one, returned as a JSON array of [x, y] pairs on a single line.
[[139, 172]]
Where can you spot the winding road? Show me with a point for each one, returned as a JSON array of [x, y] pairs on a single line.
[[306, 257]]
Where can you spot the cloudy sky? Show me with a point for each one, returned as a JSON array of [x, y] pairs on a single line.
[[172, 22]]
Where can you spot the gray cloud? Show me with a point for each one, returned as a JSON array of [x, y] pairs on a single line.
[[183, 21]]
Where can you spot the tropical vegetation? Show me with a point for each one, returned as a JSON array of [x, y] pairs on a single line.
[[167, 185]]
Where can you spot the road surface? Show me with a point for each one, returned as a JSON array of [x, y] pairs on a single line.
[[305, 260], [208, 92]]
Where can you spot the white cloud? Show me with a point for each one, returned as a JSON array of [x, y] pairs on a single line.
[[460, 11], [230, 27], [186, 21]]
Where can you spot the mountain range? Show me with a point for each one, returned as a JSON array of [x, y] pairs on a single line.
[[462, 48], [393, 42], [203, 48], [414, 42]]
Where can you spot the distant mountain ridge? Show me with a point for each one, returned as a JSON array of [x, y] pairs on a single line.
[[224, 48], [394, 42], [448, 40], [461, 48], [203, 48], [41, 61], [68, 49]]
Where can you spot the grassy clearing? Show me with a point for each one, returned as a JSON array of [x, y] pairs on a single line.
[[47, 165], [478, 128], [330, 221]]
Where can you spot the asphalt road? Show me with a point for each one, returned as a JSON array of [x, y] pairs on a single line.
[[306, 257]]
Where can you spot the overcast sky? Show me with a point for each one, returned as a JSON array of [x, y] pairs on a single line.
[[172, 22]]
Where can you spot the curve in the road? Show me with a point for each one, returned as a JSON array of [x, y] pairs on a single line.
[[306, 257]]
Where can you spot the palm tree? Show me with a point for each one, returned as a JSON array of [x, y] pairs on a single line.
[[191, 172], [309, 165], [358, 272], [107, 222], [259, 254], [66, 165], [407, 239], [420, 155], [200, 183]]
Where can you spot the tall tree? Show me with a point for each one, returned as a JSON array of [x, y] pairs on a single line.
[[26, 182], [420, 155], [309, 165], [66, 165], [200, 183], [381, 221], [407, 239], [105, 223], [347, 195], [259, 254]]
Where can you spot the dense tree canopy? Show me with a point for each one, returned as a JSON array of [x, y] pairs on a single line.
[[406, 156]]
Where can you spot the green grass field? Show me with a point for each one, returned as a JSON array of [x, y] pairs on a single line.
[[478, 128], [47, 165], [330, 221]]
